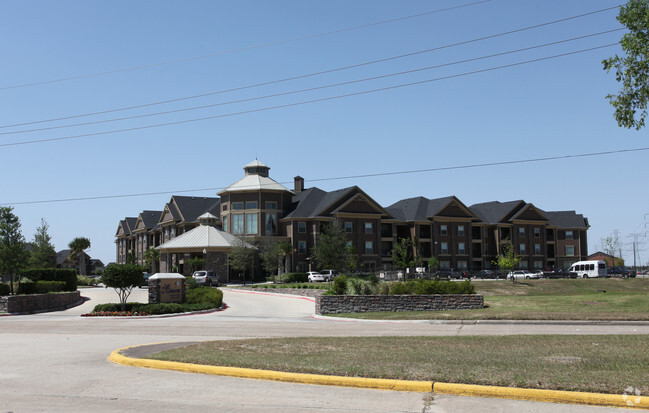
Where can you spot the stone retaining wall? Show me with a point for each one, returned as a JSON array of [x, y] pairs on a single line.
[[304, 292], [36, 303], [336, 304]]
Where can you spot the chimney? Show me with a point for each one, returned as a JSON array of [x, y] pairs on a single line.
[[298, 184]]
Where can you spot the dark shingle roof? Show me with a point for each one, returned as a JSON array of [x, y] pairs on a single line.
[[496, 211], [418, 208], [567, 219], [314, 202], [190, 208], [150, 218]]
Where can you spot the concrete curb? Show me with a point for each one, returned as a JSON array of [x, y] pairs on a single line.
[[551, 396]]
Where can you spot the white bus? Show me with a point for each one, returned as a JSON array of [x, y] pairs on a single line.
[[589, 269]]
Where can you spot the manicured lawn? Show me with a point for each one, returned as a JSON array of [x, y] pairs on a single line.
[[597, 363], [579, 299]]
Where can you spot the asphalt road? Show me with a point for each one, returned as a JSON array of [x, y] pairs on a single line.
[[57, 362]]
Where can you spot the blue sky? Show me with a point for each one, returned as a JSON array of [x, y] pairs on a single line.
[[548, 108]]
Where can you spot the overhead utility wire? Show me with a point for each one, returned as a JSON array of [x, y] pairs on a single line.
[[314, 73], [287, 105], [311, 88], [242, 49], [373, 175]]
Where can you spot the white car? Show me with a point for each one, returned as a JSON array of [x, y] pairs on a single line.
[[523, 275], [208, 278], [314, 276]]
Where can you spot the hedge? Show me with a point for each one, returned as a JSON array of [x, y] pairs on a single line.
[[4, 289], [41, 287], [343, 285], [197, 300], [68, 276]]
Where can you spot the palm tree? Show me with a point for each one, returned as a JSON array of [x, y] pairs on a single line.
[[77, 246]]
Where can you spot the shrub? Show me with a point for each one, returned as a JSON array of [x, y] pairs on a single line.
[[190, 283], [208, 295], [399, 288], [4, 289], [85, 280], [294, 277], [429, 287], [68, 276], [356, 286], [383, 289], [339, 286], [41, 287]]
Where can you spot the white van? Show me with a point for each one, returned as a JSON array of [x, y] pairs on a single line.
[[589, 269]]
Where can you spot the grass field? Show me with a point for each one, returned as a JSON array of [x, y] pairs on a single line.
[[563, 299], [606, 364]]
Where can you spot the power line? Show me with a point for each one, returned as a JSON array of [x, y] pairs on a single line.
[[314, 73], [373, 175], [312, 88], [287, 105], [185, 59]]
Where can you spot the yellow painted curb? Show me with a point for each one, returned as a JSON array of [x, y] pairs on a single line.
[[553, 396], [380, 384]]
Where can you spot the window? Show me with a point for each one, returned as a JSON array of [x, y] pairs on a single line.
[[251, 223], [462, 265], [369, 228], [369, 266], [225, 207], [349, 227], [537, 249], [301, 247], [444, 248], [444, 264], [237, 205], [424, 231], [523, 265], [252, 205], [443, 229], [271, 205], [271, 223], [369, 247], [225, 223], [521, 248], [521, 232], [460, 230], [570, 235], [538, 265], [570, 250], [301, 227], [537, 232], [460, 248], [237, 224]]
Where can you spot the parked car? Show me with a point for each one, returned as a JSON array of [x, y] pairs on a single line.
[[559, 273], [487, 274], [621, 272], [208, 278], [329, 274], [145, 280], [314, 276], [523, 275], [448, 273]]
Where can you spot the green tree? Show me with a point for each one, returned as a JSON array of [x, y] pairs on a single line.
[[611, 246], [13, 252], [351, 255], [432, 263], [152, 258], [123, 278], [270, 255], [287, 249], [43, 254], [507, 260], [632, 70], [331, 247], [196, 264], [402, 255], [77, 254], [242, 257]]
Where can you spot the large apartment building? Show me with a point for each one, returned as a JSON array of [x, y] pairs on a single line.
[[256, 208]]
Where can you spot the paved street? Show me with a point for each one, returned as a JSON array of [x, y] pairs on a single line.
[[57, 361]]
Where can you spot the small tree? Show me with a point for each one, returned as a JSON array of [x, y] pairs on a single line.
[[196, 264], [242, 257], [331, 247], [77, 254], [507, 260], [270, 255], [43, 254], [402, 256], [432, 263], [123, 278], [13, 252], [287, 249], [352, 257], [611, 246], [152, 257]]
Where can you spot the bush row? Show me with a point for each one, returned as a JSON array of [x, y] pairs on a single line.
[[68, 276], [344, 285], [292, 277], [197, 299], [88, 281], [4, 289], [41, 287], [308, 286]]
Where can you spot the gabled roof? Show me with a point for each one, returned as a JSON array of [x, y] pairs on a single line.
[[127, 225], [203, 236], [420, 208], [189, 208], [530, 209], [567, 219], [314, 202], [63, 255], [496, 212], [149, 220]]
